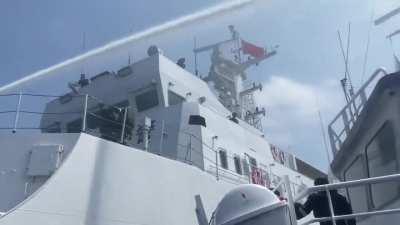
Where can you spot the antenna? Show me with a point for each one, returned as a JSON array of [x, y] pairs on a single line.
[[129, 52], [346, 81], [83, 51], [196, 71], [321, 122]]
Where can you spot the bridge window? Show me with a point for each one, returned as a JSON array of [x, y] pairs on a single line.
[[382, 160], [223, 158], [238, 164], [146, 100]]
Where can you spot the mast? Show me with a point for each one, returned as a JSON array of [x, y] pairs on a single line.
[[228, 75]]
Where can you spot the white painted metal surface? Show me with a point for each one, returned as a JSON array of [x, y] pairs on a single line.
[[104, 182]]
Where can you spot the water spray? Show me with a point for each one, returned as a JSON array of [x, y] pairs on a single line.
[[219, 9]]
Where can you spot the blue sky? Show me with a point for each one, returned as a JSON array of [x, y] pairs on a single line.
[[307, 69]]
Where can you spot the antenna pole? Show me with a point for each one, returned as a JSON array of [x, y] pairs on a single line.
[[196, 71], [129, 52], [346, 73], [83, 51], [347, 61], [343, 54], [321, 122]]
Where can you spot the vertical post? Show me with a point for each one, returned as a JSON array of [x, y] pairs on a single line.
[[196, 72], [216, 156], [330, 206], [17, 112], [188, 153], [85, 106], [346, 121], [124, 125], [146, 138], [162, 137], [216, 165], [146, 133], [290, 200]]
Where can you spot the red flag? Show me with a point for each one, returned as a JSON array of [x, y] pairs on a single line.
[[253, 50]]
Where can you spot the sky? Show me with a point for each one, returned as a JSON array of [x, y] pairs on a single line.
[[302, 79]]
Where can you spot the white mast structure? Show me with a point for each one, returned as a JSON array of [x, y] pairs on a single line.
[[227, 75]]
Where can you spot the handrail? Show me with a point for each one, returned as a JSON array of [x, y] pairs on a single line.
[[353, 216], [346, 184], [354, 112], [89, 111], [354, 183]]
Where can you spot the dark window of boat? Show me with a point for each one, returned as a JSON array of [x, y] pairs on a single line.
[[103, 74], [382, 160], [146, 100], [246, 170], [223, 159], [253, 162], [174, 99], [238, 164], [197, 120], [357, 195], [74, 126]]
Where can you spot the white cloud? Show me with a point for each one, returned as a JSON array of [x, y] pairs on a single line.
[[292, 121], [298, 99]]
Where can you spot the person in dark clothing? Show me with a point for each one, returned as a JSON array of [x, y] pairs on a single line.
[[318, 203]]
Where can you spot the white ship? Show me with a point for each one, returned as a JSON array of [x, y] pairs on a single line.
[[148, 144]]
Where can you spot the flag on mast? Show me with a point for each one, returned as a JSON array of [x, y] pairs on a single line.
[[253, 50]]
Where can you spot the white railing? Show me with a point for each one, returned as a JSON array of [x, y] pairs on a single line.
[[348, 116], [328, 187]]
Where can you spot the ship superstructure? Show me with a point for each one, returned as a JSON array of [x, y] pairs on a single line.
[[136, 146]]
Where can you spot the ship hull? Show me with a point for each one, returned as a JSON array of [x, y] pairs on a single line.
[[102, 182]]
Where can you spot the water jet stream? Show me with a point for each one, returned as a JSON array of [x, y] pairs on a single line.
[[219, 9]]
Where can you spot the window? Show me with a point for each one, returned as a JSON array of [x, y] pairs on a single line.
[[246, 170], [146, 100], [174, 99], [253, 162], [238, 165], [357, 195], [197, 120], [223, 159], [382, 160], [74, 126]]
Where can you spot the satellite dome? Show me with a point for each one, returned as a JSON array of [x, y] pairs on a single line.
[[253, 203]]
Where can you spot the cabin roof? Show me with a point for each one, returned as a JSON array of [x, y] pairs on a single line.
[[387, 82]]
